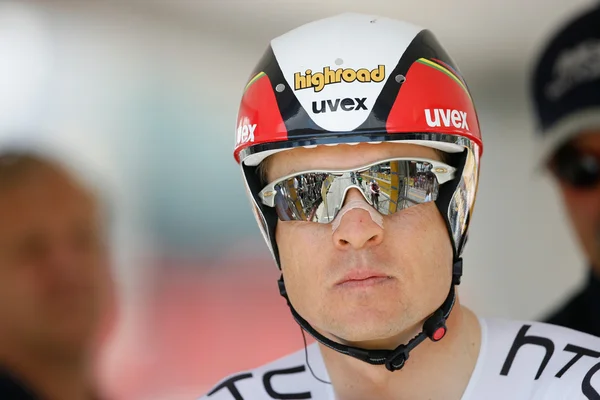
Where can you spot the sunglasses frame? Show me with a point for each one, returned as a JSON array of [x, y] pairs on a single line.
[[569, 153], [441, 170]]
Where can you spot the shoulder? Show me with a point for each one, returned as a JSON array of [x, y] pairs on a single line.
[[286, 378], [536, 357]]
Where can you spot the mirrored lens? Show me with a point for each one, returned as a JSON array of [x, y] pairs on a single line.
[[389, 187]]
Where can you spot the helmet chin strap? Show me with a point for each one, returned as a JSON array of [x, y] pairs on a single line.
[[434, 328]]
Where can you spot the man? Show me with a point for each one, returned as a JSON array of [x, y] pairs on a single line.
[[54, 280], [374, 194], [376, 289], [566, 93], [428, 195]]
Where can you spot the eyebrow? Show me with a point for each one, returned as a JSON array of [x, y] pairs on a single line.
[[264, 178]]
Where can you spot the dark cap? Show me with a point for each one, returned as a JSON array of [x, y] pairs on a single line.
[[566, 83]]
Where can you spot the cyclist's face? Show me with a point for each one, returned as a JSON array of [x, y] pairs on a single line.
[[409, 259]]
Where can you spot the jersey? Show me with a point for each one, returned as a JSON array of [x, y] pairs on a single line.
[[517, 360]]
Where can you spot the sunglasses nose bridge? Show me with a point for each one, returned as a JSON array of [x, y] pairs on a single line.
[[349, 194]]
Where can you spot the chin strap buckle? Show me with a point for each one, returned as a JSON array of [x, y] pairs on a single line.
[[396, 359]]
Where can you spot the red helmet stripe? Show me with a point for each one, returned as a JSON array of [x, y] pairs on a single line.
[[256, 77], [449, 67], [259, 118], [447, 72], [431, 101]]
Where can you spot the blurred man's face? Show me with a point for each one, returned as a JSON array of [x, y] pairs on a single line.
[[583, 203], [412, 253], [54, 275]]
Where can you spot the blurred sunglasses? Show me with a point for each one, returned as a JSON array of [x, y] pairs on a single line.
[[389, 186], [577, 168]]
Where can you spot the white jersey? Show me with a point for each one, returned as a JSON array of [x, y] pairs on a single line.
[[517, 361]]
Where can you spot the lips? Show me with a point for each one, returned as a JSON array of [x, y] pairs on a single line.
[[362, 277]]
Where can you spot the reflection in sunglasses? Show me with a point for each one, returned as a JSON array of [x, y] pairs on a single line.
[[388, 186]]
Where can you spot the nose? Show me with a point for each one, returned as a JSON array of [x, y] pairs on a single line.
[[357, 229]]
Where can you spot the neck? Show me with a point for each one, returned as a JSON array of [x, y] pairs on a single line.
[[449, 363], [51, 375]]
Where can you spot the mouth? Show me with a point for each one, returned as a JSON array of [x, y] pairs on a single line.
[[361, 279]]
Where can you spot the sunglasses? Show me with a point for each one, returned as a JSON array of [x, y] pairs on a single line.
[[577, 168], [389, 186]]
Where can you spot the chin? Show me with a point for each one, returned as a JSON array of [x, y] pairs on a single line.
[[360, 324], [369, 336]]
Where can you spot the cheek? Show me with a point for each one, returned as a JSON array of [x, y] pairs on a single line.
[[582, 206], [420, 234], [22, 293], [297, 240], [421, 226], [102, 273], [302, 249], [104, 287]]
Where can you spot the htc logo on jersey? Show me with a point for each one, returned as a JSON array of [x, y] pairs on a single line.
[[230, 385], [447, 118], [346, 104]]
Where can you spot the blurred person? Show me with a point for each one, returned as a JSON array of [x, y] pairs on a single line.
[[428, 195], [566, 95], [55, 284], [373, 287], [374, 194]]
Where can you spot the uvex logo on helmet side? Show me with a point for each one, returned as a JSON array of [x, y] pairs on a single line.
[[447, 118], [245, 132]]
